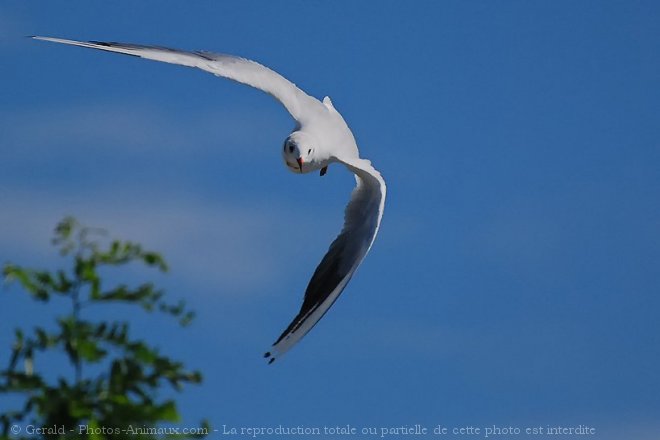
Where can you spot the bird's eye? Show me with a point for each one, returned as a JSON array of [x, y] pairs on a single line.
[[309, 151], [290, 148]]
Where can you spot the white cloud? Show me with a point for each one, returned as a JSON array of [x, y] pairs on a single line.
[[236, 248], [239, 247], [128, 127]]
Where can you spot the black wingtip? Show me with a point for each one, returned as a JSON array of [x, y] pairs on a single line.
[[267, 355]]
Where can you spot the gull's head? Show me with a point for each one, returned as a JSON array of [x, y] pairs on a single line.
[[298, 152]]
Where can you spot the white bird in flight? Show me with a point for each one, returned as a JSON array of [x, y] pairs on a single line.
[[320, 138]]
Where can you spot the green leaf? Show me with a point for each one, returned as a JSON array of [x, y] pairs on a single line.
[[95, 432], [43, 339], [187, 318], [154, 259], [85, 269], [167, 412], [123, 386], [90, 351], [99, 331], [27, 280], [64, 284], [22, 381], [143, 353], [78, 409], [63, 233], [64, 228]]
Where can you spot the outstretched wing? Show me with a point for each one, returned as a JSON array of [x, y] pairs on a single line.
[[361, 222], [242, 70]]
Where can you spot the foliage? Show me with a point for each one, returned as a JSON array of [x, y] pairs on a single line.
[[114, 379]]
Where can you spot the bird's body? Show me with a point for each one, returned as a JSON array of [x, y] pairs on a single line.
[[321, 137], [329, 135]]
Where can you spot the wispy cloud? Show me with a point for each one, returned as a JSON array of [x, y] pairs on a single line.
[[132, 128], [237, 242], [235, 248]]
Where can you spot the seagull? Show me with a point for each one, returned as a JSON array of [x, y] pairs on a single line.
[[320, 138]]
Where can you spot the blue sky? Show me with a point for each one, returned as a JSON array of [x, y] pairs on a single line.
[[516, 278]]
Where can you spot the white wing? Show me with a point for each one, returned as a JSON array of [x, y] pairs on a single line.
[[361, 223], [297, 102]]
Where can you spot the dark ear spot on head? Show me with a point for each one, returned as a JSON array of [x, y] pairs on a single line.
[[309, 151]]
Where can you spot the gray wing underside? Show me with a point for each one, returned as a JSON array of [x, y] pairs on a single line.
[[361, 222], [298, 103]]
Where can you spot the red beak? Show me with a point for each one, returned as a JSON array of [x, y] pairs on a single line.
[[300, 163]]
